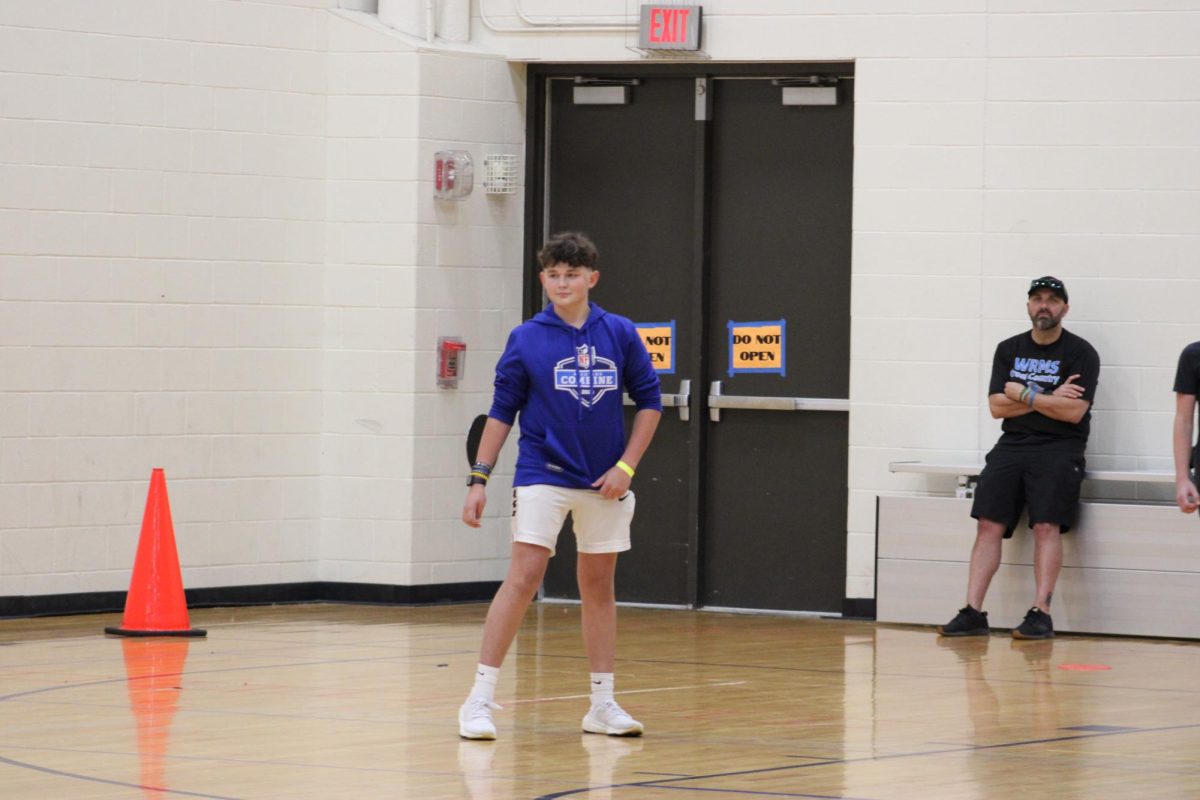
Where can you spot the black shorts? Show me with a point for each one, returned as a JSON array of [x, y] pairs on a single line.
[[1045, 482]]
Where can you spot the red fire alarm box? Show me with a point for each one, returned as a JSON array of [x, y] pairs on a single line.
[[453, 174], [451, 360]]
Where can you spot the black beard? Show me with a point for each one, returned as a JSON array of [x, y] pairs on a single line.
[[1046, 323]]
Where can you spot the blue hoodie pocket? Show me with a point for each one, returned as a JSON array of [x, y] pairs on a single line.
[[580, 451]]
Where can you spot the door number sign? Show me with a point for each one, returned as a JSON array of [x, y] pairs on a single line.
[[659, 339], [757, 347]]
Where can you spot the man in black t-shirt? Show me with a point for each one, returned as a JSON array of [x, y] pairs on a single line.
[[1187, 382], [1042, 386]]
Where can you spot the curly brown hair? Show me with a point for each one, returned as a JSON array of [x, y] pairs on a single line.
[[572, 248]]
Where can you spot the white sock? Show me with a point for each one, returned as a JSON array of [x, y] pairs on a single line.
[[485, 682], [602, 687]]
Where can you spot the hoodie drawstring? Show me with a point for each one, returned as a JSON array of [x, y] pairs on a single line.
[[591, 357], [578, 384]]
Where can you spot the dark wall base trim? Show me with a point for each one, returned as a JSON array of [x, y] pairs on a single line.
[[858, 608], [264, 594]]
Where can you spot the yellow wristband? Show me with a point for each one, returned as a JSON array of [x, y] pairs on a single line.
[[628, 470]]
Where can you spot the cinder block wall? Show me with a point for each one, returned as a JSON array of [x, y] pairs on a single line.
[[1063, 146], [403, 270], [162, 241], [219, 254]]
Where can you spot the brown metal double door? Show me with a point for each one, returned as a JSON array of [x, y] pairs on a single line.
[[713, 225]]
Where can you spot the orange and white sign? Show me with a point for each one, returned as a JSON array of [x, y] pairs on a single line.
[[659, 339], [757, 347]]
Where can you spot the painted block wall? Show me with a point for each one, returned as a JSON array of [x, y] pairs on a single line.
[[403, 270], [219, 254], [162, 242]]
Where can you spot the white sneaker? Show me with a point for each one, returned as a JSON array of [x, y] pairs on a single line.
[[475, 719], [610, 718]]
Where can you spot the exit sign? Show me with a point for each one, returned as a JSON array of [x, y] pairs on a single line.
[[670, 28]]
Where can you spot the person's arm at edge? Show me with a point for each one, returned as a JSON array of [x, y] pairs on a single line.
[[1186, 496], [495, 433]]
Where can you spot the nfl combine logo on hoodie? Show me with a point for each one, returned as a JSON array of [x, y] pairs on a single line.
[[555, 376], [580, 377]]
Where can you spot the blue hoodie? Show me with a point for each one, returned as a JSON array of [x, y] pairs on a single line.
[[566, 383]]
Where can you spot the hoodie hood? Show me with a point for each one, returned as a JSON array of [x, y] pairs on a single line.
[[547, 316]]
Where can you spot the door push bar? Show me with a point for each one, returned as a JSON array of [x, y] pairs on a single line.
[[717, 401], [682, 401]]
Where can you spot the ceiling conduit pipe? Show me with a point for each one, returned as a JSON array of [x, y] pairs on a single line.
[[551, 25], [454, 20], [431, 20], [570, 23]]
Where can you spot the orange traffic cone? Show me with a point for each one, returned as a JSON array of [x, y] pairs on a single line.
[[155, 605]]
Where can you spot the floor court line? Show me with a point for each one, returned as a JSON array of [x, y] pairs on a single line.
[[217, 760], [92, 779], [662, 784], [759, 793]]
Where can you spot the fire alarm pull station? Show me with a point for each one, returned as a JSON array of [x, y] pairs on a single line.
[[452, 360], [453, 174]]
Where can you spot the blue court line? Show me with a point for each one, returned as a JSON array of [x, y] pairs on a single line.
[[92, 779], [662, 784], [1099, 728], [664, 774], [758, 793]]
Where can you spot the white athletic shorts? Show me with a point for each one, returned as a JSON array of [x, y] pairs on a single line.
[[601, 525]]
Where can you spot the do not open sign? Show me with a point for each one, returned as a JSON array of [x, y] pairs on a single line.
[[659, 339], [758, 347]]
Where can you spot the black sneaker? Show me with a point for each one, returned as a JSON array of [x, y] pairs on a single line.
[[968, 622], [1037, 625]]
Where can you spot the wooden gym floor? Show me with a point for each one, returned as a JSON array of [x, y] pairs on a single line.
[[359, 702]]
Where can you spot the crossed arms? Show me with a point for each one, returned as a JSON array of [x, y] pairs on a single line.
[[1064, 404]]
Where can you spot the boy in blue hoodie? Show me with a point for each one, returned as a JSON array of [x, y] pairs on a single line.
[[564, 372]]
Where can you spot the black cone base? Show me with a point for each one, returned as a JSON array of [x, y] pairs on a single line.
[[125, 632]]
